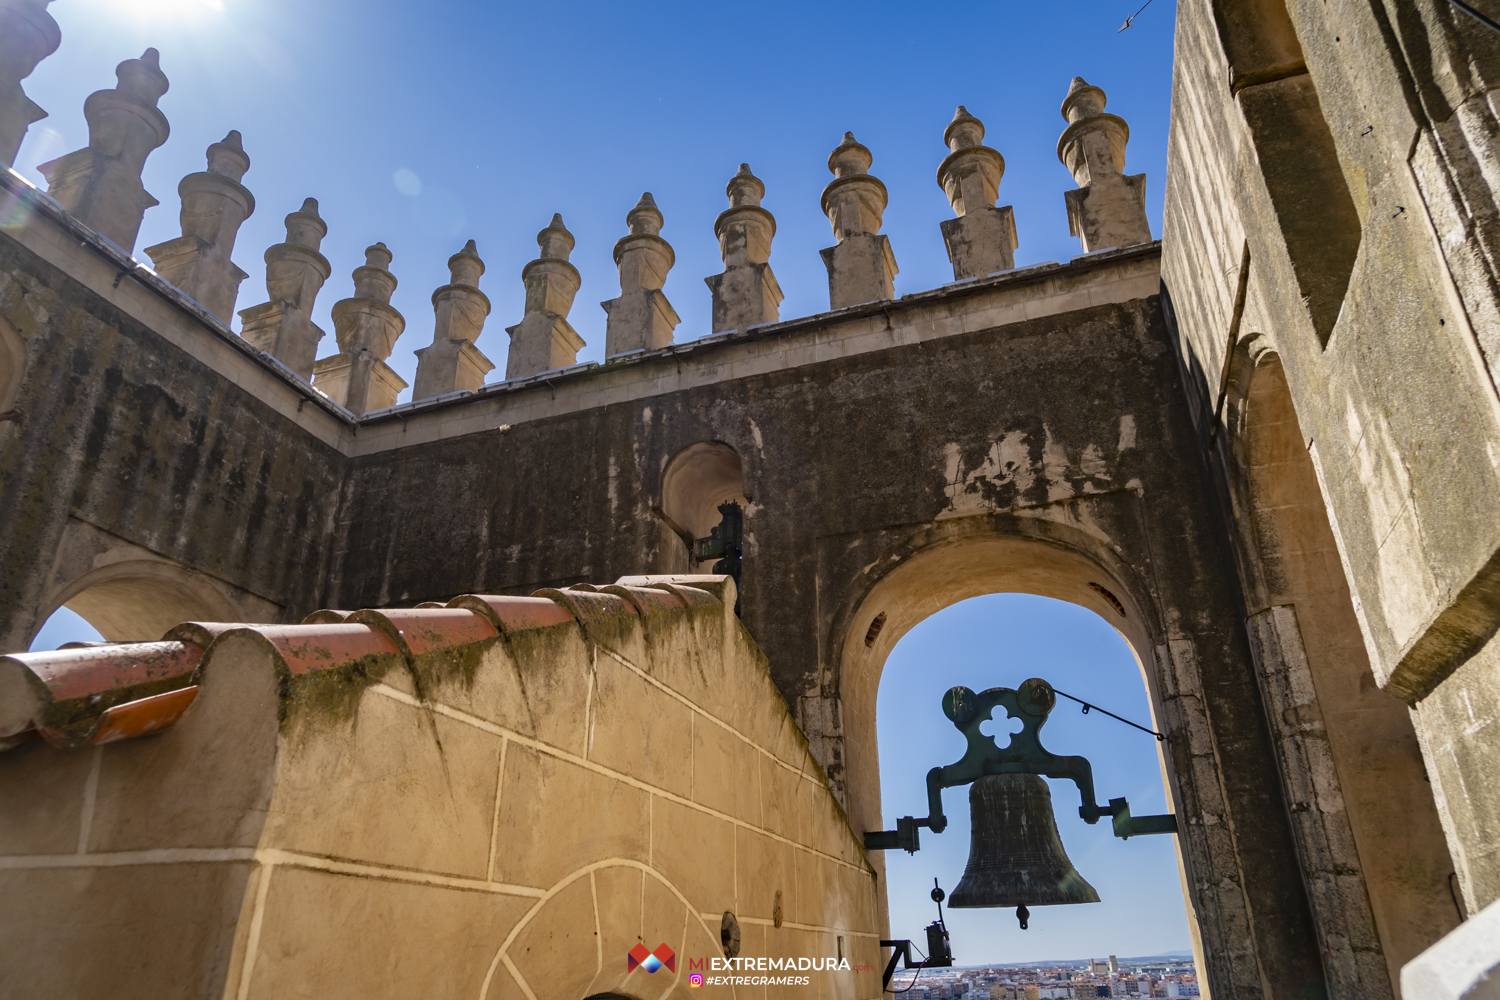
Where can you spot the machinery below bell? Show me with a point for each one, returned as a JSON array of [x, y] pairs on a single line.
[[1016, 856]]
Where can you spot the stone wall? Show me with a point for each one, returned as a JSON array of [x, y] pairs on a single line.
[[497, 800], [1328, 268]]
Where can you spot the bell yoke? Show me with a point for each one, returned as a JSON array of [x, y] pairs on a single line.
[[1024, 755]]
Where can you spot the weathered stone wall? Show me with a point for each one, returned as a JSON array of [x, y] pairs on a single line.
[[469, 814], [137, 457], [1330, 205]]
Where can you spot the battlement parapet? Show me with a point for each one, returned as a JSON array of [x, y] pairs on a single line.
[[100, 188]]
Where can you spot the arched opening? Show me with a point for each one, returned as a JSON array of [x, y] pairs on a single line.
[[12, 367], [1345, 747], [697, 480], [62, 627], [139, 600], [1002, 639], [965, 561]]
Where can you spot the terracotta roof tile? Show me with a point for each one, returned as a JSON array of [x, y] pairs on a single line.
[[647, 600], [143, 716], [423, 630], [62, 694], [514, 614], [691, 597], [714, 583], [306, 648], [587, 606], [326, 617], [102, 693]]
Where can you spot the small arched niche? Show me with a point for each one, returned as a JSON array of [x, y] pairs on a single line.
[[697, 480]]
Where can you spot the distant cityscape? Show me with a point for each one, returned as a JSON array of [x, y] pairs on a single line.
[[1106, 977]]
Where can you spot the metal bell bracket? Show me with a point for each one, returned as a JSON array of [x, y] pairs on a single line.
[[1032, 702]]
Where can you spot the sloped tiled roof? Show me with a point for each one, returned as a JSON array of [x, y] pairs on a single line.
[[101, 693]]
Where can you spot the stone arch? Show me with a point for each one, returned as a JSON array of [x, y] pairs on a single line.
[[695, 482], [542, 950], [1372, 848], [12, 367], [951, 562], [140, 599]]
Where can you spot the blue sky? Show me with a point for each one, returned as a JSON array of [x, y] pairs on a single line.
[[508, 112]]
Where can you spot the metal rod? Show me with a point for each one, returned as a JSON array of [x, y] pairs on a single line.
[[1087, 706], [1131, 19], [1474, 14]]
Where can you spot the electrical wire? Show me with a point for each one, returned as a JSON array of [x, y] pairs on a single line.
[[1087, 706], [918, 970]]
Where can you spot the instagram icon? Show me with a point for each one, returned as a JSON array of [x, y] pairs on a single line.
[[696, 979]]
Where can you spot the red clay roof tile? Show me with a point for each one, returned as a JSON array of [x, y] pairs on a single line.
[[305, 648], [587, 607], [103, 693], [646, 600], [423, 630], [76, 673], [143, 716], [514, 614], [326, 617]]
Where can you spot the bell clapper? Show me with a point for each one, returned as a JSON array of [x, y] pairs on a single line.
[[1023, 915]]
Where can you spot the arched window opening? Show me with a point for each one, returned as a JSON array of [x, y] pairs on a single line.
[[139, 601], [1000, 640], [1317, 680], [698, 479], [65, 626]]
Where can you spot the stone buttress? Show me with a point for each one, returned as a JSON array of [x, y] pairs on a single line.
[[640, 317], [100, 184], [295, 272], [1108, 209], [214, 206], [982, 239], [452, 362], [366, 326], [745, 293], [861, 266], [544, 340]]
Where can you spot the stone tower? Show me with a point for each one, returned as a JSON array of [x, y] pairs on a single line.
[[544, 340], [214, 206], [295, 271], [640, 317], [861, 266], [452, 361], [366, 326], [746, 292], [100, 184], [982, 239], [1108, 209]]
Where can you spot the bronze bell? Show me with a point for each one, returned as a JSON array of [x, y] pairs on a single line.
[[1016, 857]]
